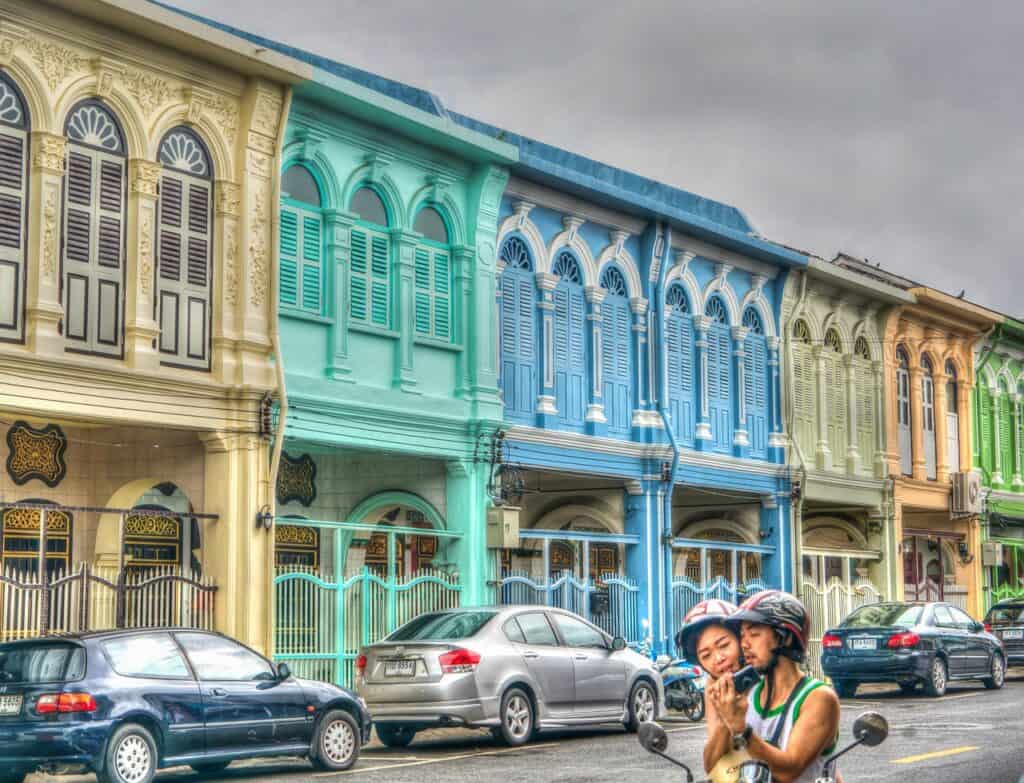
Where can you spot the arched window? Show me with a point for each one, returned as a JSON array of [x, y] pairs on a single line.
[[928, 415], [616, 336], [805, 390], [835, 396], [755, 382], [297, 547], [1006, 445], [518, 313], [952, 418], [679, 346], [370, 267], [184, 245], [94, 218], [864, 382], [433, 277], [719, 375], [14, 129], [903, 410], [19, 539], [302, 245], [570, 354]]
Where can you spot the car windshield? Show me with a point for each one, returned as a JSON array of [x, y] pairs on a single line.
[[1006, 615], [42, 662], [884, 616], [442, 627]]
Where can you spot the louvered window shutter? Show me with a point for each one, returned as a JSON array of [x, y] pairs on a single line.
[[865, 415], [432, 283], [615, 369], [835, 393], [289, 262], [986, 446], [509, 331], [183, 269], [312, 264], [359, 277], [301, 259], [1006, 437], [680, 375], [422, 284], [380, 274], [93, 251], [13, 187], [755, 380]]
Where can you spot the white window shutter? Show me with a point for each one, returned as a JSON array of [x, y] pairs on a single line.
[[13, 187]]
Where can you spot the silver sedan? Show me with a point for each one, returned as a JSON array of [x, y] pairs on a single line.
[[516, 670]]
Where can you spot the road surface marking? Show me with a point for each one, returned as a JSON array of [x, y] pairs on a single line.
[[685, 728], [421, 762], [938, 754], [956, 696]]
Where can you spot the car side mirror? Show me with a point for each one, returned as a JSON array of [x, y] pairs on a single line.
[[977, 627], [618, 643], [283, 672]]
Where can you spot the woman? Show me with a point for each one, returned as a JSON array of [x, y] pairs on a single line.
[[707, 640]]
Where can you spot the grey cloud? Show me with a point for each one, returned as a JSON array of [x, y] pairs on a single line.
[[886, 130]]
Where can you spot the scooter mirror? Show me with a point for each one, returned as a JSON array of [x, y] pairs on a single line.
[[652, 737], [871, 729], [753, 772]]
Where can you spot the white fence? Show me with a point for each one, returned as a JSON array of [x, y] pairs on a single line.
[[828, 606]]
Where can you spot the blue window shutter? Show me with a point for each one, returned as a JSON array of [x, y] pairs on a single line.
[[518, 374], [755, 381], [615, 364], [680, 379], [719, 391]]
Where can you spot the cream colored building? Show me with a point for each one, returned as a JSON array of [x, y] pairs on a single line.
[[139, 160]]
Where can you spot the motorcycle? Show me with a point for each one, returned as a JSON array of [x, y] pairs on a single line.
[[683, 681], [870, 729]]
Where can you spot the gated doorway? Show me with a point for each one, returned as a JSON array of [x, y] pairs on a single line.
[[342, 585]]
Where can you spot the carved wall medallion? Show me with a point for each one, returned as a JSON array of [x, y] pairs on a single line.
[[296, 479], [36, 454], [150, 91], [54, 61], [50, 229], [258, 253]]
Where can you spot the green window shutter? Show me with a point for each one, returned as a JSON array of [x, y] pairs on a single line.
[[422, 283], [311, 264], [987, 435], [358, 278], [289, 261], [442, 296], [1006, 437], [379, 293]]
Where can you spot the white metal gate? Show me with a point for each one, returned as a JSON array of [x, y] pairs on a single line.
[[829, 606]]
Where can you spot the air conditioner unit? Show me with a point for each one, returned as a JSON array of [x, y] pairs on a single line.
[[991, 554], [966, 493], [503, 527]]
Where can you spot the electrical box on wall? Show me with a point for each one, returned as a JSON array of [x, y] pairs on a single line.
[[503, 527], [991, 553]]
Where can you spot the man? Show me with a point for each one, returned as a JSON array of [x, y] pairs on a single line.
[[708, 640], [790, 721]]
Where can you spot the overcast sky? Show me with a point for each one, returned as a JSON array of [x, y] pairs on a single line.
[[888, 130]]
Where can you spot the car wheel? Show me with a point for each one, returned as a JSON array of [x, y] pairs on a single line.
[[935, 685], [131, 756], [395, 736], [210, 768], [516, 717], [998, 674], [845, 689], [336, 742], [643, 705]]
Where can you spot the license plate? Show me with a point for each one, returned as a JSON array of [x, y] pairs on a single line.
[[10, 705], [399, 668], [863, 644], [1013, 634]]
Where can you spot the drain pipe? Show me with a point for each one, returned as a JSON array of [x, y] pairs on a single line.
[[662, 392], [798, 511]]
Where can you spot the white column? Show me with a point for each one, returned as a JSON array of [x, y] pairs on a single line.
[[997, 473], [852, 449], [823, 452], [546, 400], [595, 408], [701, 324], [1017, 481], [741, 437], [878, 370]]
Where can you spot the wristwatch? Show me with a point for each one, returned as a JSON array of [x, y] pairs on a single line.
[[739, 741]]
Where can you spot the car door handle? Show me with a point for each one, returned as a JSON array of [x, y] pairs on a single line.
[[579, 657], [218, 692], [531, 655]]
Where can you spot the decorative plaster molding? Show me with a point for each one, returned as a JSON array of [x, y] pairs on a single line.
[[50, 232], [150, 91], [230, 263], [258, 252], [146, 252], [56, 62], [49, 152], [145, 177], [227, 198]]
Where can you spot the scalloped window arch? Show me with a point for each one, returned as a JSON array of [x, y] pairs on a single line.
[[752, 321], [677, 300], [613, 282], [14, 156], [716, 310], [95, 204], [861, 348], [567, 268], [302, 270], [184, 250], [801, 332], [516, 254], [833, 341]]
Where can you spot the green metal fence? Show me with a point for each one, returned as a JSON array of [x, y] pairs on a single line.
[[320, 625]]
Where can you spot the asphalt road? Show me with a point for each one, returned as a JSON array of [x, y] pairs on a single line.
[[968, 735]]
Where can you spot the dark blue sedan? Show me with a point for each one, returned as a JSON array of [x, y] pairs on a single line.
[[911, 644], [126, 703]]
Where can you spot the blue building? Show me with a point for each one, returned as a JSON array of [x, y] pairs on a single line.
[[639, 369]]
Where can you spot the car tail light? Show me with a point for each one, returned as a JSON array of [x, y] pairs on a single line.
[[360, 665], [831, 642], [459, 661], [698, 671], [988, 627], [50, 703], [903, 641]]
